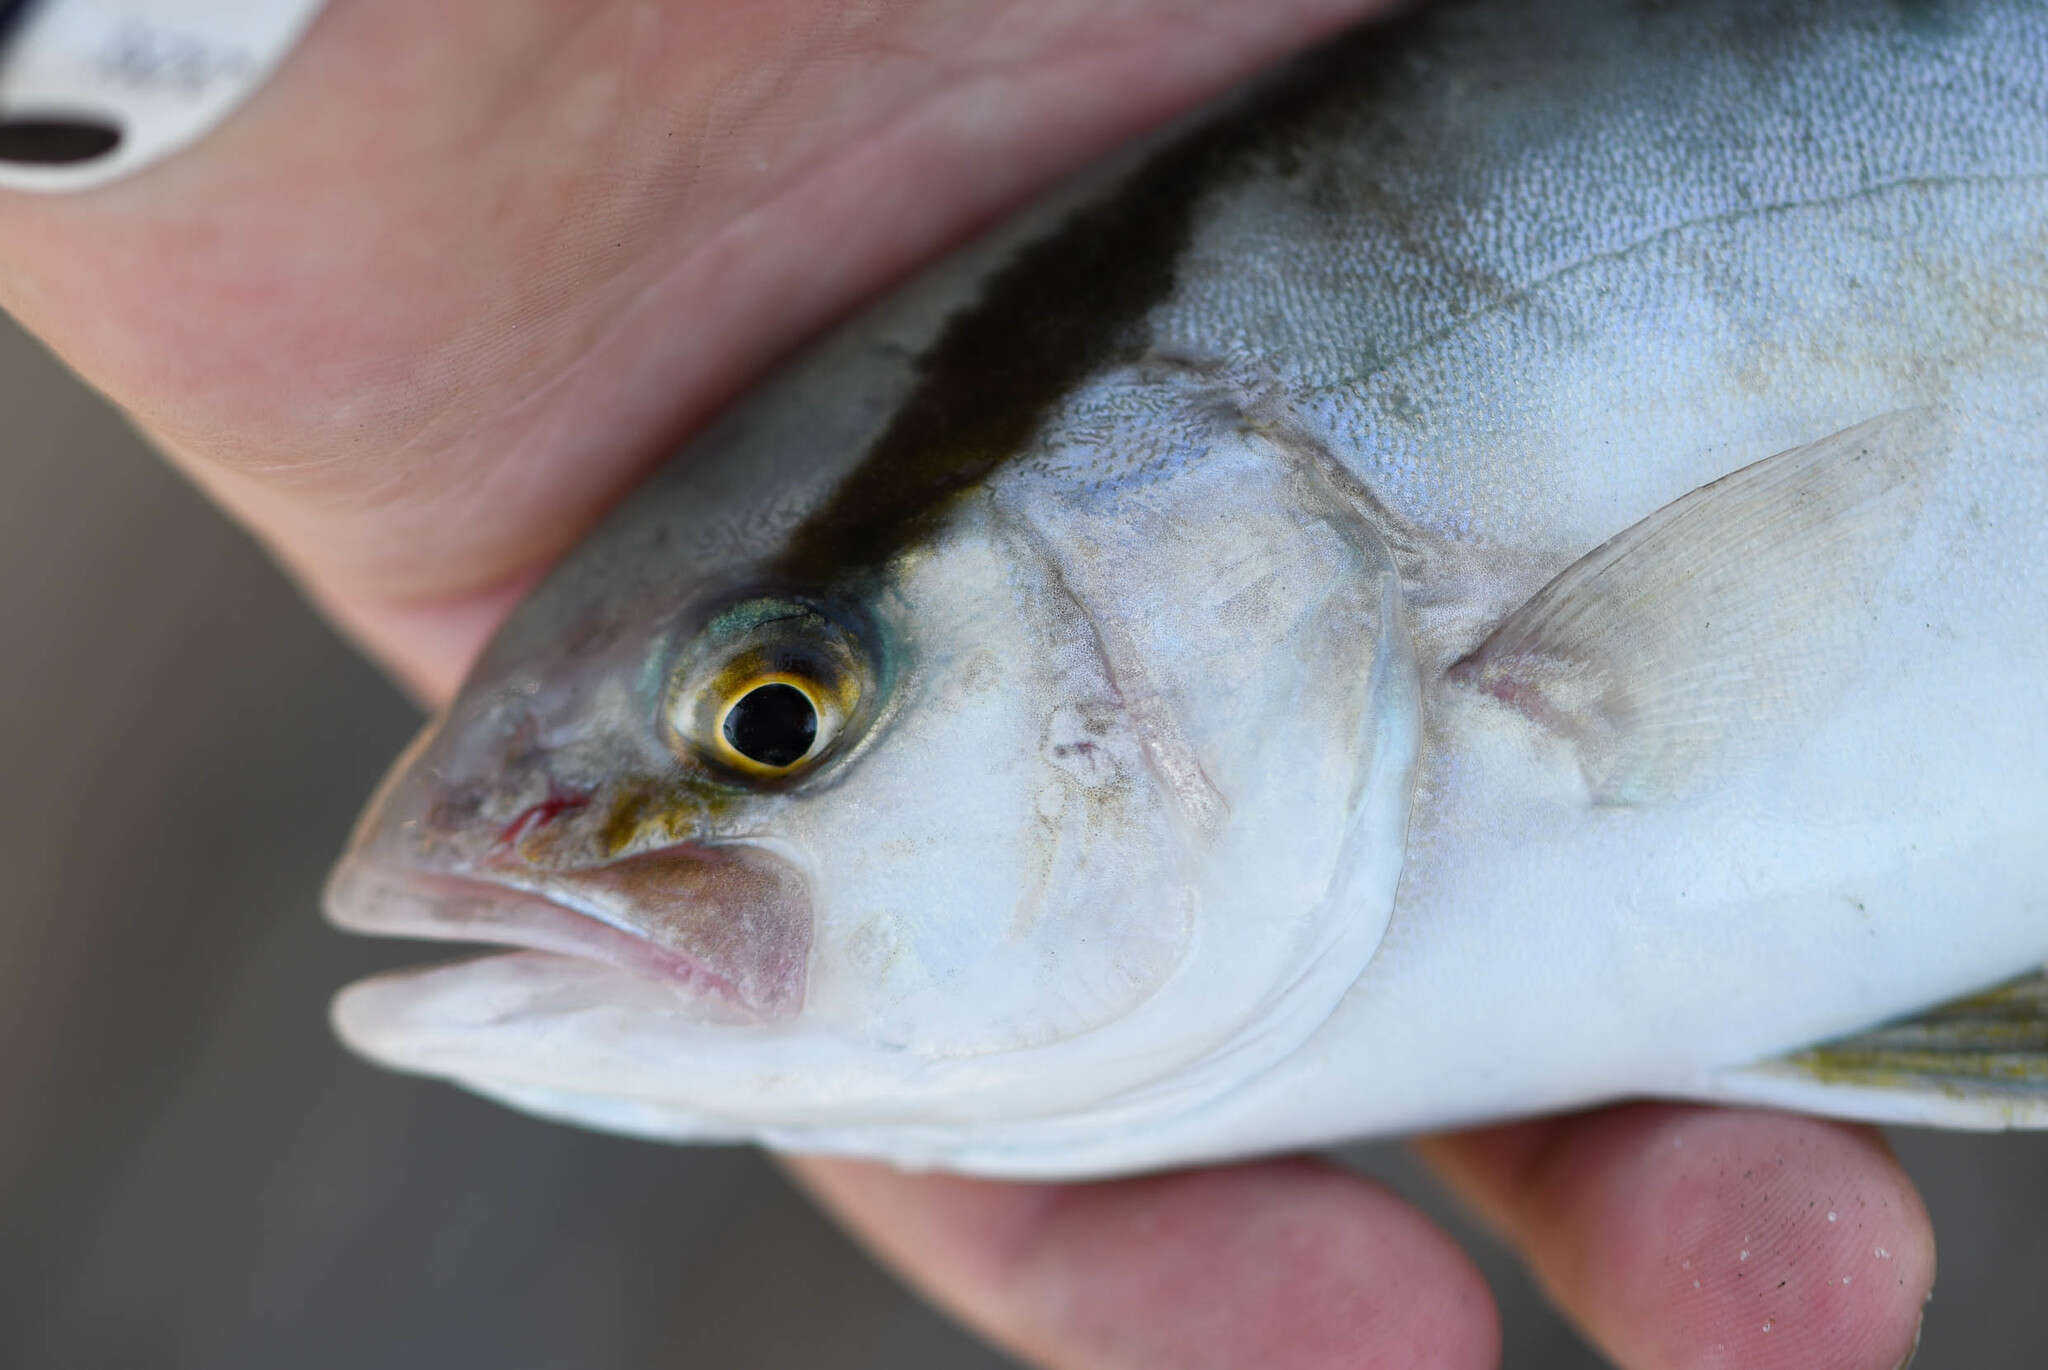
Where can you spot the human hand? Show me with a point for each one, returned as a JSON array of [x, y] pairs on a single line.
[[448, 285]]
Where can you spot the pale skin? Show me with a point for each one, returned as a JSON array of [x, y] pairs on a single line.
[[461, 273]]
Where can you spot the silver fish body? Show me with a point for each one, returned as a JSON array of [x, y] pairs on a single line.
[[1503, 571]]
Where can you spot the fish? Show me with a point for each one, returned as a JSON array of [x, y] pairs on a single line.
[[1498, 570]]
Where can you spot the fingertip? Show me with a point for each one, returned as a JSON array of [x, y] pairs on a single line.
[[1691, 1237], [1286, 1265], [1280, 1264]]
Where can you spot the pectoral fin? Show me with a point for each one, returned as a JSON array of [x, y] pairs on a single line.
[[1978, 1062], [1723, 619]]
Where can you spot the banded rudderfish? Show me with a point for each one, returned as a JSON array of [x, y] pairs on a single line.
[[1500, 570]]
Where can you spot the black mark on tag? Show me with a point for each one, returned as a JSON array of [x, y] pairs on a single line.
[[166, 61], [12, 12], [54, 140]]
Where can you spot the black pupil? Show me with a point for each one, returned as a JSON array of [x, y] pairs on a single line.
[[772, 724]]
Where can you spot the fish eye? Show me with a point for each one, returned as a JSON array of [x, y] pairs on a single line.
[[768, 690], [770, 725]]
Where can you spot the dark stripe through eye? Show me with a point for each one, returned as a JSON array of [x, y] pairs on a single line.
[[773, 725]]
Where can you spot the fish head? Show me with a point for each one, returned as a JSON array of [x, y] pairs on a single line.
[[1075, 795]]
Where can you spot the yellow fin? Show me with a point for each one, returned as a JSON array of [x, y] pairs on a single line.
[[1996, 1041], [1976, 1062], [1717, 623]]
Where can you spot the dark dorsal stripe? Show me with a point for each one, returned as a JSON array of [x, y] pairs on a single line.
[[1066, 306]]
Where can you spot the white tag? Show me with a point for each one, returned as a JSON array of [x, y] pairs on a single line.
[[91, 90]]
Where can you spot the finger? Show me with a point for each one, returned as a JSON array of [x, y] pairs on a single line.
[[1682, 1237], [1284, 1265]]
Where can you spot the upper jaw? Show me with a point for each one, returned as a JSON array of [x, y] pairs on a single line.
[[524, 858], [730, 924]]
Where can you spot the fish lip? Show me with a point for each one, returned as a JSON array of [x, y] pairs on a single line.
[[386, 900]]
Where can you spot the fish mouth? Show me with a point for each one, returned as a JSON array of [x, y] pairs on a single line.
[[728, 925]]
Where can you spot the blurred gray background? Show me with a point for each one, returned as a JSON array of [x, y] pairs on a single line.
[[192, 1173]]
